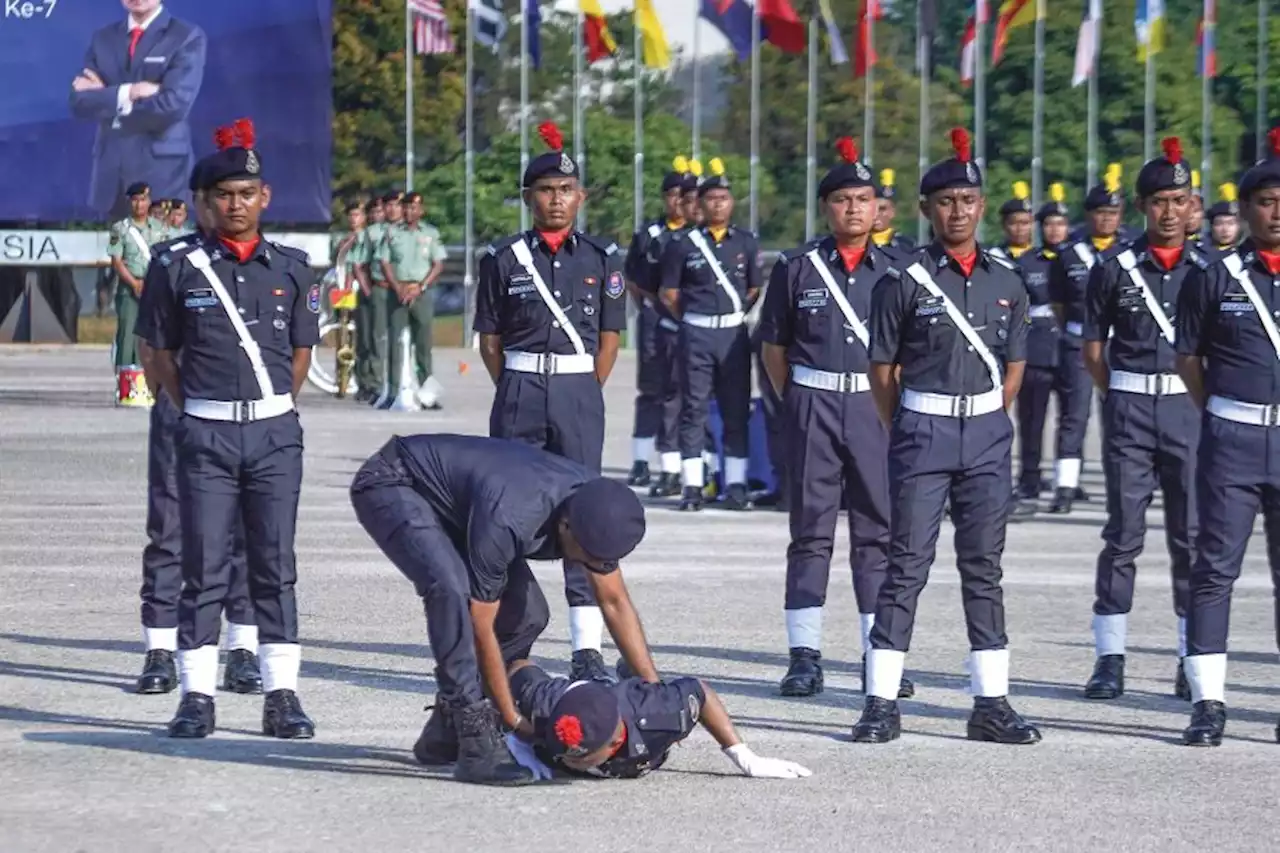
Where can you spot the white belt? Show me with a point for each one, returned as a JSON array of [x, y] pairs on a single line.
[[549, 363], [1040, 312], [1151, 384], [239, 411], [952, 406], [668, 324], [1074, 328], [714, 321], [825, 380], [1256, 414]]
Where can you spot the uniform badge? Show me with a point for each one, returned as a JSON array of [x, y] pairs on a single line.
[[566, 164], [861, 171], [251, 164], [694, 708], [1115, 200], [278, 323], [971, 172], [1180, 175], [614, 286], [313, 299]]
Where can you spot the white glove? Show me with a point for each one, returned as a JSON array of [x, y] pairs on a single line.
[[525, 757], [759, 767]]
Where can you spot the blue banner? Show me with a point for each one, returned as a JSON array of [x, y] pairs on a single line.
[[99, 94]]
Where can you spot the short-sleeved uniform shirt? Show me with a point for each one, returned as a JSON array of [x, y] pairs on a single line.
[[131, 243], [1036, 267], [374, 234], [355, 254], [411, 251], [801, 314], [1069, 280], [1218, 322], [275, 293], [656, 716], [585, 278], [496, 500], [643, 265], [910, 327], [686, 269]]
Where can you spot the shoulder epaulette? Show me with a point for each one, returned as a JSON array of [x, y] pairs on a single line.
[[291, 252], [1198, 259], [1004, 262], [505, 243], [604, 244], [175, 251]]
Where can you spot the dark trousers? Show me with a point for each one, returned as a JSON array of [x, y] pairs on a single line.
[[1148, 442], [1033, 405], [1074, 389], [657, 380], [775, 427], [932, 458], [162, 557], [1238, 474], [716, 362], [840, 451], [561, 414], [230, 471], [408, 531]]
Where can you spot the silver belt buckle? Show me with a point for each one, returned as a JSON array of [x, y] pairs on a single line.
[[846, 383], [1155, 387], [243, 412], [961, 406], [1271, 415], [548, 364]]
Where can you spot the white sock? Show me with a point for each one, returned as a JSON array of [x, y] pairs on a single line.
[[1109, 633], [1182, 636], [866, 621], [586, 628], [1207, 676], [671, 462], [161, 638], [735, 470], [1067, 473], [989, 672], [804, 628], [691, 472], [642, 449], [242, 637], [198, 670], [712, 461], [280, 663], [884, 673]]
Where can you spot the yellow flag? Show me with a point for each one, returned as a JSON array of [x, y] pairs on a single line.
[[653, 39]]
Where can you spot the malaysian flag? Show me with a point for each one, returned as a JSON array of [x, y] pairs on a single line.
[[431, 33]]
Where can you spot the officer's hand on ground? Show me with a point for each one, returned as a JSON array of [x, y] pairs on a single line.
[[759, 767], [523, 754]]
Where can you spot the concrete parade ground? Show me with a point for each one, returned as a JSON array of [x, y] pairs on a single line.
[[85, 764]]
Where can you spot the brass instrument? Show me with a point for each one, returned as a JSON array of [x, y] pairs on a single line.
[[343, 300]]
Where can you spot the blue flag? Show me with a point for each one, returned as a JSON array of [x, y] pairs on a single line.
[[533, 20], [734, 22]]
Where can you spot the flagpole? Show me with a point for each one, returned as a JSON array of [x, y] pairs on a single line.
[[980, 93], [469, 226], [697, 83], [1149, 106], [638, 179], [1037, 114], [1091, 132], [1260, 116], [1209, 40], [579, 144], [811, 135], [755, 117], [924, 52], [408, 97], [868, 92], [524, 106]]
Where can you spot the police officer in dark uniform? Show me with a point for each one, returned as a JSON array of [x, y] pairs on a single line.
[[459, 516], [1224, 219], [1195, 217], [549, 309], [813, 325], [1229, 357], [1150, 425], [657, 362], [1017, 222], [948, 347], [241, 315], [1068, 283], [624, 730], [710, 279], [162, 557], [884, 234]]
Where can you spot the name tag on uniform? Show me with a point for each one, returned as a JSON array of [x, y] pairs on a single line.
[[816, 298], [519, 284], [695, 262], [1235, 303], [200, 299], [930, 306]]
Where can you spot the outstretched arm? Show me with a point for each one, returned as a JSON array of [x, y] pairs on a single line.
[[715, 719]]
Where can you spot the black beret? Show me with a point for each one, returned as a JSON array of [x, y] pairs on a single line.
[[1101, 196], [692, 178], [137, 188], [606, 518], [886, 189], [1266, 172], [583, 720], [1055, 206], [1167, 172], [1021, 201], [555, 163], [851, 172], [718, 179], [1224, 208], [236, 157], [958, 171], [677, 178]]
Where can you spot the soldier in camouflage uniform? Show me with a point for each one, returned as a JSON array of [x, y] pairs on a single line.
[[381, 298], [346, 249], [130, 251]]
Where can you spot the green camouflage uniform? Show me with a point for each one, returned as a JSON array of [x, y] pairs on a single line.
[[411, 253], [378, 308]]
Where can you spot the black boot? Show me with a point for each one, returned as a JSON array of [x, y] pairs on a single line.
[[283, 717], [1107, 681], [159, 673], [735, 497], [1181, 688], [438, 743], [1208, 721], [804, 675], [483, 757], [241, 674], [639, 475], [994, 720], [906, 689], [666, 486], [1062, 500], [1080, 494], [691, 501], [880, 722], [588, 665], [194, 718]]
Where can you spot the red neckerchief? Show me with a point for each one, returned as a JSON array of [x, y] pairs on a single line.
[[966, 263], [1165, 256], [554, 239], [1271, 260], [242, 251], [852, 256]]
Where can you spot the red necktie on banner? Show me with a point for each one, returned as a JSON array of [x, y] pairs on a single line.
[[135, 36]]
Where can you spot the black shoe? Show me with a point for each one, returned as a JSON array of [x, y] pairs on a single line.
[[1080, 494], [993, 720], [1022, 510], [735, 498], [363, 395], [241, 674], [639, 475], [667, 485], [194, 718], [691, 501], [623, 669], [1046, 485], [881, 722], [438, 743], [483, 756], [1107, 681], [1026, 492], [1181, 687], [159, 673], [804, 675], [906, 688], [283, 717], [1208, 721], [588, 665], [1062, 500]]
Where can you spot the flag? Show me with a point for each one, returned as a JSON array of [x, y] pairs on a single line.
[[1013, 14], [969, 51], [431, 33], [533, 20], [653, 40], [490, 22], [733, 18], [595, 31], [1207, 59], [835, 41], [1087, 42], [864, 52], [781, 26], [1148, 25]]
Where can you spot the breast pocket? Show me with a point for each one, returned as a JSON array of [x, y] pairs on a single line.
[[153, 68], [813, 314], [995, 333], [273, 312], [931, 326]]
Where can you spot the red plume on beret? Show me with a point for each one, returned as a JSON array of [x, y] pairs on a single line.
[[224, 138], [569, 731], [551, 135], [848, 149], [1273, 140], [245, 134], [960, 142], [1172, 146]]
